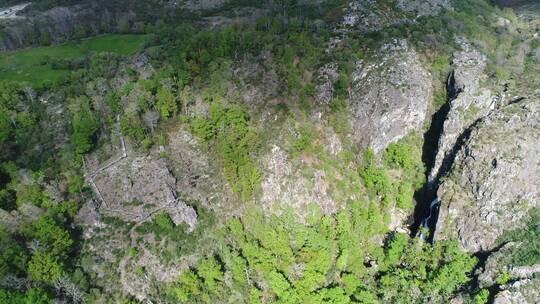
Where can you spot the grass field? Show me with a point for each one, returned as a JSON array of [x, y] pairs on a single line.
[[32, 65], [119, 44]]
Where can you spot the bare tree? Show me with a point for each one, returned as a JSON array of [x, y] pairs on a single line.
[[151, 118], [70, 290]]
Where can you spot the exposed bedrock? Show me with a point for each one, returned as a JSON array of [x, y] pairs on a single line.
[[494, 179], [389, 96]]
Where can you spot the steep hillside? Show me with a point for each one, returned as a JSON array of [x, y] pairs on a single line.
[[269, 152]]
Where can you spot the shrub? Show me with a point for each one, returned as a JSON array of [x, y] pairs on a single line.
[[31, 296], [166, 102], [376, 179], [84, 124], [528, 253], [482, 297], [164, 221], [399, 155], [45, 267], [227, 130]]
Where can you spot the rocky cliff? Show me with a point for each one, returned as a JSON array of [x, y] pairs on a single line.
[[486, 171], [389, 96], [468, 103], [371, 15], [493, 183]]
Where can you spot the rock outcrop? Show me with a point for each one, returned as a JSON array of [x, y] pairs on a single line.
[[327, 77], [285, 187], [424, 7], [200, 4], [468, 102], [494, 179], [389, 96], [372, 15], [523, 291]]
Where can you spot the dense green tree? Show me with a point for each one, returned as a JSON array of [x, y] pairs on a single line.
[[434, 271], [164, 221], [13, 256], [45, 267], [85, 125], [376, 177], [166, 102], [49, 233], [323, 262], [31, 296], [5, 125]]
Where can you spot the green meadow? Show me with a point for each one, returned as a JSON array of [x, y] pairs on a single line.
[[124, 45], [34, 65]]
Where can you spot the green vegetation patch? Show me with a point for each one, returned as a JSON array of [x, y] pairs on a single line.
[[42, 65], [114, 43], [34, 65], [278, 260], [398, 174], [528, 238], [227, 130]]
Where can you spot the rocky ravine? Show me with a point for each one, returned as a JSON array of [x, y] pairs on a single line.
[[486, 166], [492, 185], [468, 102], [487, 172]]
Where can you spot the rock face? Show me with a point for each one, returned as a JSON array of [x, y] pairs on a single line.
[[372, 15], [327, 77], [468, 103], [494, 180], [201, 4], [389, 96], [424, 7], [284, 186], [523, 291]]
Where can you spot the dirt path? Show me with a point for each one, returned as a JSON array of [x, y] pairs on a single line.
[[90, 178]]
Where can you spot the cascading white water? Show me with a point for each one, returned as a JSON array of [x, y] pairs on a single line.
[[426, 221]]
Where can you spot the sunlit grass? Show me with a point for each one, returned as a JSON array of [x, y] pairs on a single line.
[[34, 65]]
